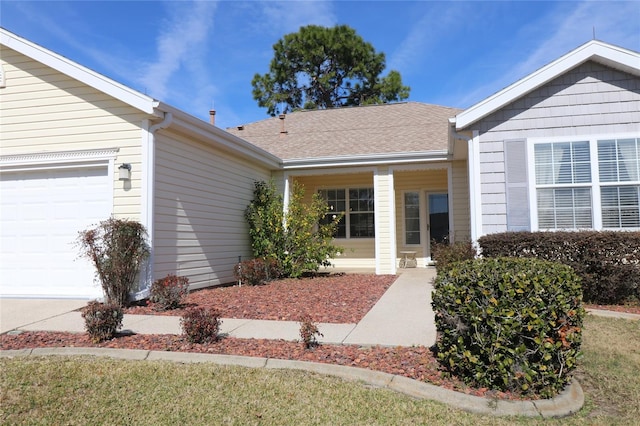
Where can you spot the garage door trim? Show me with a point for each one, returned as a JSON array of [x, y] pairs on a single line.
[[59, 159]]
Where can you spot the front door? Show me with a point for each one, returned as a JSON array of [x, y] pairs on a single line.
[[438, 219]]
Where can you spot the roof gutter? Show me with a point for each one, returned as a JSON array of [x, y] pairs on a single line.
[[203, 130], [367, 160]]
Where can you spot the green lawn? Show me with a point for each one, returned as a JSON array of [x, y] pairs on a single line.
[[85, 390]]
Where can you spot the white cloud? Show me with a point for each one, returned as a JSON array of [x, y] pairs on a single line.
[[613, 23], [438, 21], [560, 31], [181, 46], [283, 17]]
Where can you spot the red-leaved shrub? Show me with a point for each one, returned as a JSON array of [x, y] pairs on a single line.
[[201, 325]]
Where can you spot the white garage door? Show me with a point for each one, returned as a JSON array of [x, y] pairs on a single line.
[[41, 213]]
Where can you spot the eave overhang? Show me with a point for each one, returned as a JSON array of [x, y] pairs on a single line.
[[366, 160]]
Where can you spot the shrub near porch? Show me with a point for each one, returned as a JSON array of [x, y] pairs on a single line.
[[509, 324]]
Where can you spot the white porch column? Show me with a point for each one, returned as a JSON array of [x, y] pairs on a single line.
[[475, 190], [385, 224]]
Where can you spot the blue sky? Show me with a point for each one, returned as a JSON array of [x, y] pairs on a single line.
[[199, 55]]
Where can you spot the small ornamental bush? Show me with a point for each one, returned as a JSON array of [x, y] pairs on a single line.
[[309, 332], [169, 292], [201, 325], [256, 271], [509, 324], [445, 254], [102, 321], [117, 249]]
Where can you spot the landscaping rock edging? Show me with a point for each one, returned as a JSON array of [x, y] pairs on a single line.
[[566, 403]]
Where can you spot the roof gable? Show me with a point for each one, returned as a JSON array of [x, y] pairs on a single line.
[[91, 78], [597, 51]]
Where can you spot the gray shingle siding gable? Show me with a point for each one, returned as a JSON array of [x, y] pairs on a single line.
[[591, 99]]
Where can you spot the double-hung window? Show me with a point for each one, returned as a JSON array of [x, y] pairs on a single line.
[[563, 179], [588, 184], [359, 220], [619, 172]]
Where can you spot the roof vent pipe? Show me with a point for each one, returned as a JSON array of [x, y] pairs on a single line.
[[282, 129], [212, 117]]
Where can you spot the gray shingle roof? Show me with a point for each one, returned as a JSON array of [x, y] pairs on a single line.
[[352, 131]]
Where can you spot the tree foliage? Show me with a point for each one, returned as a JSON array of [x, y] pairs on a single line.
[[319, 67], [294, 238]]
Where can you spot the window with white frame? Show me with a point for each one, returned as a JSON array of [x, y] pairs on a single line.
[[574, 192], [412, 218], [359, 220], [619, 172]]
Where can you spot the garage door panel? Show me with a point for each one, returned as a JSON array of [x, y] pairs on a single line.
[[41, 214]]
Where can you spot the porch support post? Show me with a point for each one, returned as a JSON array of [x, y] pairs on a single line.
[[475, 189], [385, 228]]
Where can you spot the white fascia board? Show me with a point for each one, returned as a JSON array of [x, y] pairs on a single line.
[[208, 133], [607, 54], [367, 160], [91, 78]]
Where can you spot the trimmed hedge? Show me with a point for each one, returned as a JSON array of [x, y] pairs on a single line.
[[608, 262], [509, 324]]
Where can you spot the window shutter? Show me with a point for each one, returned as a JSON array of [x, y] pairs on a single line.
[[515, 158]]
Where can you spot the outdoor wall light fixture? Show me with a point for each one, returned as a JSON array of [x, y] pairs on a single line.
[[124, 172]]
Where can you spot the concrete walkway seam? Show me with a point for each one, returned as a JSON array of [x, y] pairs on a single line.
[[566, 403]]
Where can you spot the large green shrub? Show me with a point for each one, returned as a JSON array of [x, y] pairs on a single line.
[[265, 215], [509, 324], [117, 248], [295, 238], [608, 262]]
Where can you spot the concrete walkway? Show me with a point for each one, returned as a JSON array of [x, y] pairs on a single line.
[[402, 317]]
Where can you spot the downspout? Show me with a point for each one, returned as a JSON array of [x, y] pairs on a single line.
[[148, 197]]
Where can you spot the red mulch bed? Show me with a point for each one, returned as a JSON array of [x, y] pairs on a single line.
[[341, 299], [414, 362], [332, 299]]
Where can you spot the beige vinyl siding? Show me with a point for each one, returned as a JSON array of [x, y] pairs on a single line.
[[461, 210], [43, 110], [201, 194], [592, 99], [357, 252]]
